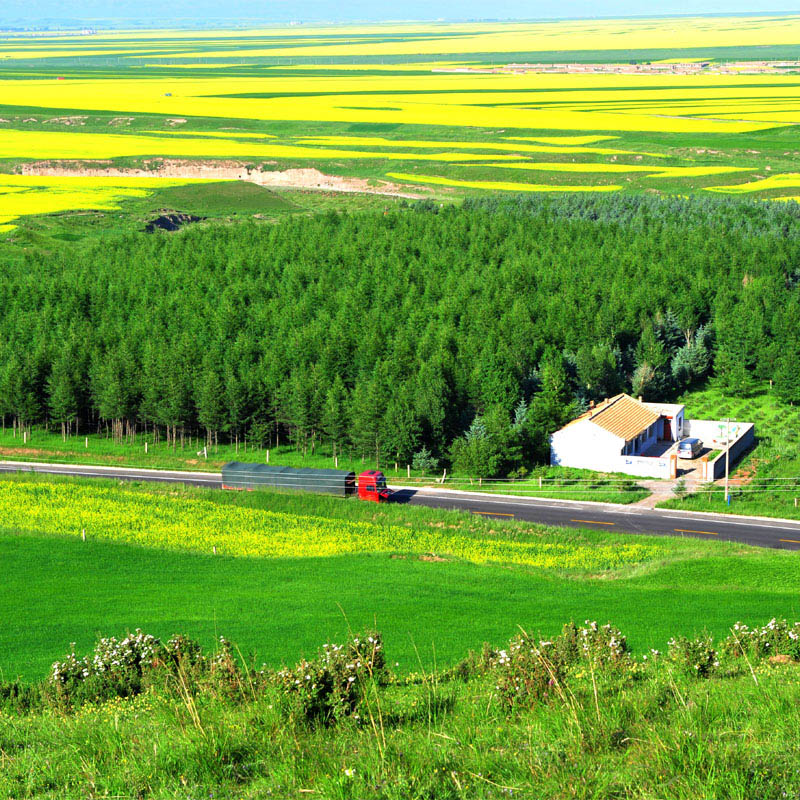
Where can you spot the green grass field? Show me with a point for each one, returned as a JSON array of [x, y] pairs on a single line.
[[432, 606]]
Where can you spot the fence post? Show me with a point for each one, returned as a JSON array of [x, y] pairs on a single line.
[[86, 442], [268, 455], [408, 470], [540, 481], [145, 448]]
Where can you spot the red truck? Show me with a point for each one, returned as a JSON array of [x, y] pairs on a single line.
[[371, 484]]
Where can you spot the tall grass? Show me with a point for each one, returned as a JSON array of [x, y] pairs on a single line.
[[641, 730]]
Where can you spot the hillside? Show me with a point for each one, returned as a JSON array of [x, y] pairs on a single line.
[[456, 336]]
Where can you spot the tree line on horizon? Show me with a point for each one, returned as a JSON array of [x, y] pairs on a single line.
[[464, 334]]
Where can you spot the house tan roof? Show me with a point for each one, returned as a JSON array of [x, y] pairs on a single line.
[[621, 415]]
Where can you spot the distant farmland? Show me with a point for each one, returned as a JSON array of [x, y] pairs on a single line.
[[370, 109]]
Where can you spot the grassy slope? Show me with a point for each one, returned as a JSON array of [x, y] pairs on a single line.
[[284, 607], [643, 734], [767, 481]]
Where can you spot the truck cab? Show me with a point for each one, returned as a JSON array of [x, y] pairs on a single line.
[[372, 486]]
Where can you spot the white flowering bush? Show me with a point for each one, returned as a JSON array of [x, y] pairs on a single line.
[[331, 686], [125, 667], [602, 645], [695, 656], [776, 638], [115, 668], [528, 670]]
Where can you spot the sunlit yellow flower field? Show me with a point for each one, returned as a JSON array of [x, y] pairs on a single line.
[[21, 195], [183, 521], [349, 97]]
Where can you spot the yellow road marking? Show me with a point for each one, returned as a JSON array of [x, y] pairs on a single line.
[[707, 533], [493, 513], [793, 541], [593, 521]]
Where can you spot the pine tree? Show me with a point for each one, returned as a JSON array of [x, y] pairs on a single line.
[[210, 401], [63, 399], [335, 415]]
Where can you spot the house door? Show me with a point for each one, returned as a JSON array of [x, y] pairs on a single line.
[[667, 434]]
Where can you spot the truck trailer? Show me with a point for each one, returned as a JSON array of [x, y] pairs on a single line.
[[370, 484]]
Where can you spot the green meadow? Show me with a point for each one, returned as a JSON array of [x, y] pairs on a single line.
[[433, 606]]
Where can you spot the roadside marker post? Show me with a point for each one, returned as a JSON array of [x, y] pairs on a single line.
[[727, 457]]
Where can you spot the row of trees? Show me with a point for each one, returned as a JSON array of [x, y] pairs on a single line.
[[470, 333]]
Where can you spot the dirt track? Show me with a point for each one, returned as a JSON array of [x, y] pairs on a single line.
[[305, 178]]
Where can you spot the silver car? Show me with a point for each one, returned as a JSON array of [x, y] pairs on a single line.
[[690, 448]]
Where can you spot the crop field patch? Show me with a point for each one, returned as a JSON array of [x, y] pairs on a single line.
[[22, 195], [348, 99], [197, 525], [501, 186]]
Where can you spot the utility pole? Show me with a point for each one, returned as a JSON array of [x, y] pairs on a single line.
[[727, 457]]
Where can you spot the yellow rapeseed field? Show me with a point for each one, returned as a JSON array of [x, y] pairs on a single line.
[[183, 521], [468, 38], [377, 141], [21, 195], [655, 171], [232, 75], [786, 180], [502, 186], [84, 145], [471, 37], [531, 101]]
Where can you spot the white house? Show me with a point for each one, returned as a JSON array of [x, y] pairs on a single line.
[[620, 434]]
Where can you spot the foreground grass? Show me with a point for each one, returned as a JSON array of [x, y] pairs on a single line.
[[484, 578], [642, 730]]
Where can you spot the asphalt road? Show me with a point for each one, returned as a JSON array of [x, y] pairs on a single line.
[[757, 531]]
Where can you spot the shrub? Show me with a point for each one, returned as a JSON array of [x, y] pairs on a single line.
[[424, 462], [474, 664], [777, 637], [679, 489], [695, 656], [126, 667], [602, 645], [332, 686], [527, 671], [18, 697]]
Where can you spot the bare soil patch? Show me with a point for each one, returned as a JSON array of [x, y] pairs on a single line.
[[300, 178]]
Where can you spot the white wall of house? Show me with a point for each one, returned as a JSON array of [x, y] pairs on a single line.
[[642, 466], [584, 445], [675, 413]]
